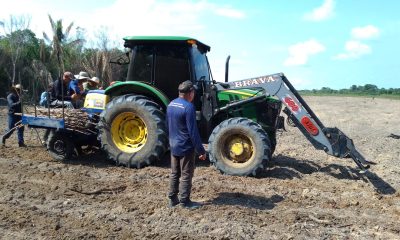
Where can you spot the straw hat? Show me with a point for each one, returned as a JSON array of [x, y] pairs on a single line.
[[95, 80], [18, 87], [82, 75]]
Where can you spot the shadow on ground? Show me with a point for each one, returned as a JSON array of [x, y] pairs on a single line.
[[246, 200], [280, 167], [95, 158], [283, 167]]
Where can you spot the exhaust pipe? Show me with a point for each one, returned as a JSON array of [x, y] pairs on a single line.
[[227, 68]]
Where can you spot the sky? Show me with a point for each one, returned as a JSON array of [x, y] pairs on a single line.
[[315, 43]]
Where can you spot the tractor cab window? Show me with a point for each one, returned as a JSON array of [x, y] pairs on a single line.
[[141, 64], [171, 68], [201, 68]]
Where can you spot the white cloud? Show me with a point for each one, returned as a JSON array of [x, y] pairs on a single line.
[[366, 32], [325, 11], [137, 17], [299, 83], [21, 9], [354, 49], [229, 12], [147, 17], [125, 17], [300, 52]]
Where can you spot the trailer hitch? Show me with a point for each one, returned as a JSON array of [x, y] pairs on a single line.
[[343, 147]]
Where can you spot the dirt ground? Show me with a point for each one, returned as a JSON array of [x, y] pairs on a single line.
[[303, 194]]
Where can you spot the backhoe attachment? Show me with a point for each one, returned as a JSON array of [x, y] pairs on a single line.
[[332, 140]]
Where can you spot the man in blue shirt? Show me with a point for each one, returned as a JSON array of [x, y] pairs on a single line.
[[184, 140]]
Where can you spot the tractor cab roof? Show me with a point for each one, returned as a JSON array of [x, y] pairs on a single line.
[[134, 40]]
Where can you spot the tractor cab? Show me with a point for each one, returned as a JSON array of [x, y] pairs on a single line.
[[165, 62]]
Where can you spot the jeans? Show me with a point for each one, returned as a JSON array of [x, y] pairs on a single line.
[[12, 120], [182, 167]]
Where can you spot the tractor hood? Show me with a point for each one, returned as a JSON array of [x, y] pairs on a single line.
[[228, 95], [238, 94], [135, 87]]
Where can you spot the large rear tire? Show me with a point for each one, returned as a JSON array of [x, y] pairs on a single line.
[[239, 146], [132, 131]]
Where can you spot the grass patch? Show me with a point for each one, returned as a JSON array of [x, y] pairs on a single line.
[[386, 96]]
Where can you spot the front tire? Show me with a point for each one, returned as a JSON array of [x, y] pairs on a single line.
[[132, 131], [240, 147]]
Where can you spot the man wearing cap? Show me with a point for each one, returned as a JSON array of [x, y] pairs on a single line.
[[184, 140], [61, 92], [14, 107]]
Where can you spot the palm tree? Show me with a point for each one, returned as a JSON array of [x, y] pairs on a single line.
[[59, 40]]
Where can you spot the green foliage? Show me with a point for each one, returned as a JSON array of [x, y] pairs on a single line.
[[3, 84], [37, 63], [19, 58], [354, 90]]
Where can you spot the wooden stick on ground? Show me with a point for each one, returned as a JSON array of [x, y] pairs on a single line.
[[100, 191]]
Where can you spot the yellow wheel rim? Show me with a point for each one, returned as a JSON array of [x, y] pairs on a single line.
[[128, 132], [238, 150]]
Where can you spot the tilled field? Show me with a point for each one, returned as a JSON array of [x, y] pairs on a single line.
[[303, 194]]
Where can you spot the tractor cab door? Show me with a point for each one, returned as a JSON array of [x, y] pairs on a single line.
[[204, 100], [202, 75]]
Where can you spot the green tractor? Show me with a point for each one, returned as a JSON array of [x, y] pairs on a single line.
[[238, 119]]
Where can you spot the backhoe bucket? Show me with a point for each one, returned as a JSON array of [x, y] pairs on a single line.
[[343, 147]]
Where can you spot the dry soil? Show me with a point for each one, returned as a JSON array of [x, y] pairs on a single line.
[[303, 194]]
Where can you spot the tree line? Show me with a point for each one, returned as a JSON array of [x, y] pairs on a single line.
[[366, 90], [36, 61]]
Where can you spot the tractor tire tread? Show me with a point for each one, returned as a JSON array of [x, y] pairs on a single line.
[[258, 132], [160, 144]]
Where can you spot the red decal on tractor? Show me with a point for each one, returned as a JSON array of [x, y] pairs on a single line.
[[309, 125], [289, 101]]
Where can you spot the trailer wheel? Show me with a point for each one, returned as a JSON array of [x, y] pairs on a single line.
[[133, 131], [239, 146], [60, 146]]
